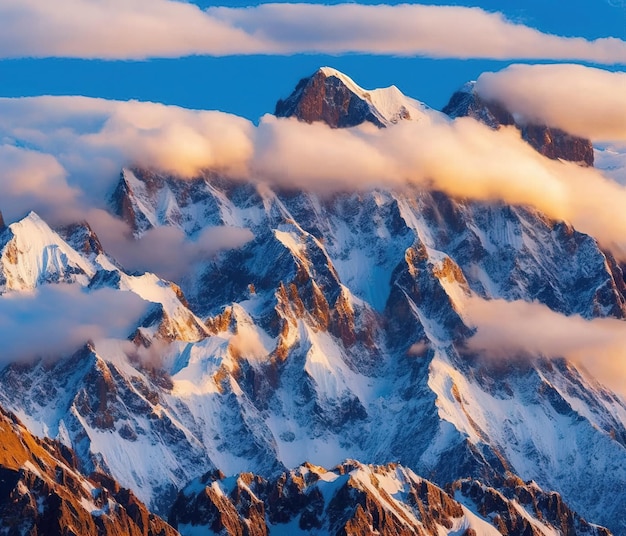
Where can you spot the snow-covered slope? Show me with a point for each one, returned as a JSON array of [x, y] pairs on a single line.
[[33, 254], [611, 159]]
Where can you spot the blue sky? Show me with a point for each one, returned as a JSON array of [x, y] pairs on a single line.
[[250, 85]]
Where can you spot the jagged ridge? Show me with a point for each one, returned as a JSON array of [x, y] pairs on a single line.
[[355, 499]]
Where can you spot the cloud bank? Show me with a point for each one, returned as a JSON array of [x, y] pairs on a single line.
[[61, 156], [462, 158], [139, 29], [581, 100], [510, 329], [64, 154], [58, 319]]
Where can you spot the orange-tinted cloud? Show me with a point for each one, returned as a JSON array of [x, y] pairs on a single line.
[[463, 158], [516, 329], [581, 100], [91, 139]]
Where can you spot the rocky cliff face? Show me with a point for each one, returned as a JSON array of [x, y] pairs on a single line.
[[520, 508], [549, 141], [324, 97], [42, 491]]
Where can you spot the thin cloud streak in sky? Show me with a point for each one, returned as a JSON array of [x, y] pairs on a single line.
[[581, 100], [116, 29], [410, 30], [139, 29]]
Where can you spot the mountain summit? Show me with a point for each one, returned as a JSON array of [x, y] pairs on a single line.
[[334, 98]]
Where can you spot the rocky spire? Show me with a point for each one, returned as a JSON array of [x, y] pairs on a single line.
[[325, 96]]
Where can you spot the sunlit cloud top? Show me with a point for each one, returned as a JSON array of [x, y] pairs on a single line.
[[581, 100]]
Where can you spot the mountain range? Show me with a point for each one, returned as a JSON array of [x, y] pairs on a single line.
[[321, 377]]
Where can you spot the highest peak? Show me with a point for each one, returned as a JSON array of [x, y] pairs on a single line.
[[328, 72], [330, 96], [331, 71], [468, 87], [33, 216]]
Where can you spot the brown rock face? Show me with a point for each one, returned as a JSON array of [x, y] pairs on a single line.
[[550, 142], [325, 98], [42, 492], [557, 144], [82, 238]]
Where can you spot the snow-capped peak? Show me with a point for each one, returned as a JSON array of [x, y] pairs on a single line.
[[334, 98], [31, 252], [388, 104]]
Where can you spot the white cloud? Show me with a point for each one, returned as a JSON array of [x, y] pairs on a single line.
[[24, 175], [581, 100], [123, 29], [115, 29], [463, 158], [61, 156], [165, 251], [65, 153], [517, 329], [58, 319]]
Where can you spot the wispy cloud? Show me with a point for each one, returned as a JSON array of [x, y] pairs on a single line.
[[581, 100], [517, 329], [165, 251], [124, 29], [58, 319]]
